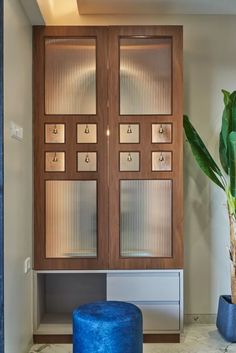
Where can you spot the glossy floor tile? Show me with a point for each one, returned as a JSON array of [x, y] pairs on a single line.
[[195, 339]]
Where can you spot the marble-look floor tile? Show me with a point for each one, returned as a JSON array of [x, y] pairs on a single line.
[[196, 339]]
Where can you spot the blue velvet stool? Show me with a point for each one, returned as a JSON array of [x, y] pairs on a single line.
[[107, 327]]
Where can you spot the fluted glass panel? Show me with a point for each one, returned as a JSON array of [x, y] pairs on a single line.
[[71, 218], [145, 76], [146, 218], [70, 76]]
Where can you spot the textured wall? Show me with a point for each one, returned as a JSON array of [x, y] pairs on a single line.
[[18, 177]]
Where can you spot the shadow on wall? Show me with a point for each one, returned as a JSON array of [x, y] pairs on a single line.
[[197, 205]]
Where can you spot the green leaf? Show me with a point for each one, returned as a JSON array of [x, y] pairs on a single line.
[[201, 154], [232, 162], [223, 143], [226, 96], [233, 110], [194, 138]]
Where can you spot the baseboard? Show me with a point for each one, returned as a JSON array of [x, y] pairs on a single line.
[[209, 319], [147, 338]]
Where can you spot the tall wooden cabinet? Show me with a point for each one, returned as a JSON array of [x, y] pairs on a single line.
[[108, 163]]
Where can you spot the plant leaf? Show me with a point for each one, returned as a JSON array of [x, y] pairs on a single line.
[[194, 138], [233, 110], [226, 96], [223, 143], [201, 154], [232, 162]]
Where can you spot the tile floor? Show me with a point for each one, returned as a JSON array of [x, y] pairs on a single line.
[[196, 339]]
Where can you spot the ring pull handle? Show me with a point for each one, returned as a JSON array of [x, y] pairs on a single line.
[[86, 130], [161, 158], [129, 130], [87, 160], [55, 159], [55, 131], [129, 158], [161, 130]]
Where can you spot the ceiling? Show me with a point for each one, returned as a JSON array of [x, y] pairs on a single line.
[[156, 7], [71, 11]]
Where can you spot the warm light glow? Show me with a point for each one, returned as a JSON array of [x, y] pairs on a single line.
[[58, 11]]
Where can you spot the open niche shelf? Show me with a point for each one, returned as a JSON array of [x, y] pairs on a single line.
[[58, 294]]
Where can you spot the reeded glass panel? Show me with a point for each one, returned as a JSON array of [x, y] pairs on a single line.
[[71, 218], [161, 133], [86, 133], [55, 133], [145, 76], [161, 161], [129, 161], [70, 76], [87, 161], [146, 218], [129, 133], [55, 161]]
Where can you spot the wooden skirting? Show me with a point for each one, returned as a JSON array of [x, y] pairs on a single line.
[[151, 338]]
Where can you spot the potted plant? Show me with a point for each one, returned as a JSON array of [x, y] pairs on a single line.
[[225, 178]]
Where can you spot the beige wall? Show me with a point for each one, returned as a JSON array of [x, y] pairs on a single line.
[[18, 178], [209, 65]]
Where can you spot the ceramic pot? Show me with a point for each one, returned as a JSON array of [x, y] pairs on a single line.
[[226, 318]]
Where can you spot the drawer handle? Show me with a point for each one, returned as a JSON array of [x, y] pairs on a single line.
[[55, 159], [161, 130], [129, 158], [86, 131], [161, 158], [129, 130], [87, 160], [55, 131]]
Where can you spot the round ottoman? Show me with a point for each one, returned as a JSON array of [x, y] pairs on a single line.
[[107, 327]]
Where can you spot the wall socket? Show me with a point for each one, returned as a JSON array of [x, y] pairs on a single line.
[[27, 265]]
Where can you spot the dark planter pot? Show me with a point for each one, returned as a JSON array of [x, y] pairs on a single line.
[[226, 318]]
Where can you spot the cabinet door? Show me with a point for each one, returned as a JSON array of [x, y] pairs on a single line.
[[70, 100], [145, 163]]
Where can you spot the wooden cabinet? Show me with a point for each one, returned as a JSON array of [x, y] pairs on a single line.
[[108, 174], [108, 147]]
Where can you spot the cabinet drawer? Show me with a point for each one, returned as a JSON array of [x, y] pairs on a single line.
[[143, 286], [160, 317]]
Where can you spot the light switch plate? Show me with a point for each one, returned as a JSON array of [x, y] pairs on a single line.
[[27, 265], [16, 131]]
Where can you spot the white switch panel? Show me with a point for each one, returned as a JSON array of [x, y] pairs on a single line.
[[16, 131], [27, 265]]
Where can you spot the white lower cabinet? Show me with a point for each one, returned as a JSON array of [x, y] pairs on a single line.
[[160, 316], [157, 293]]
